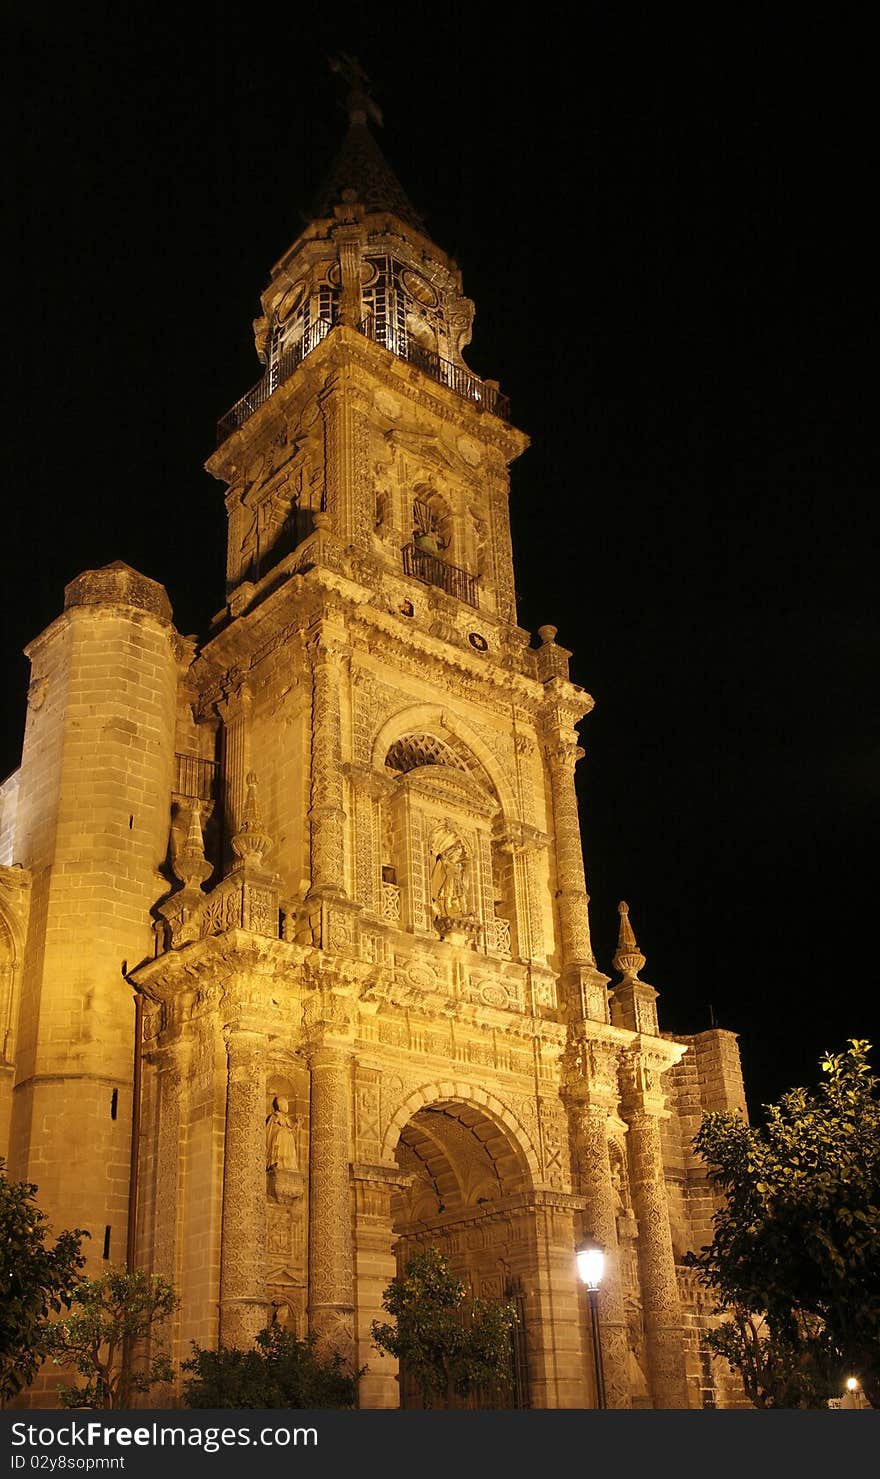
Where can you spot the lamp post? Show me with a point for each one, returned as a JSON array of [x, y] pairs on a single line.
[[591, 1266]]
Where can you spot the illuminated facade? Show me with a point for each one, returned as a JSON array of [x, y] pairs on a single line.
[[336, 852]]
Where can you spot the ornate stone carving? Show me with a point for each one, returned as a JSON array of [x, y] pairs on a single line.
[[251, 842], [243, 1304], [331, 1270], [595, 1181], [326, 815], [660, 1302]]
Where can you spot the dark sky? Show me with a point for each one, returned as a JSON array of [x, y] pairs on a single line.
[[668, 232]]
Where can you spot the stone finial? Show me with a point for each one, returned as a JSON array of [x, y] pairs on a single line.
[[358, 103], [190, 865], [251, 842], [547, 634], [628, 958]]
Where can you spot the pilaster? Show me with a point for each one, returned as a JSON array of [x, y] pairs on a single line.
[[643, 1107], [243, 1308], [590, 1102], [331, 1257], [326, 811], [374, 1267]]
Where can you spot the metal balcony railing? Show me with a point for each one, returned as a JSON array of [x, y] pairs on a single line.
[[282, 369], [195, 779], [428, 567], [482, 393]]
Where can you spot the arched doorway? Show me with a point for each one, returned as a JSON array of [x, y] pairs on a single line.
[[466, 1192]]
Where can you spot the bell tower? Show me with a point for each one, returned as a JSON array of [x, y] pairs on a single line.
[[335, 852], [423, 497], [381, 943]]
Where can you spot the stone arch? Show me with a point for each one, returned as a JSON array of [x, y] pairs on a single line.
[[445, 1091], [423, 717]]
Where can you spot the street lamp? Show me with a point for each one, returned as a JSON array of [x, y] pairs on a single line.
[[591, 1266]]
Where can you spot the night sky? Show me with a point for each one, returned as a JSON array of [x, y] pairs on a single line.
[[668, 233]]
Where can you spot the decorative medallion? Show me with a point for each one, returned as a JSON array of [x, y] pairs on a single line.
[[292, 300], [387, 404], [478, 641], [368, 274], [420, 289], [493, 994], [469, 450]]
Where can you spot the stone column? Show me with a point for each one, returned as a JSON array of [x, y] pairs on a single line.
[[583, 985], [366, 841], [661, 1308], [572, 897], [348, 488], [326, 812], [375, 1267], [235, 713], [331, 1273], [600, 1222], [243, 1307]]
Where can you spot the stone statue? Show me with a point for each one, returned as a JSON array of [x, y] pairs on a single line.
[[449, 881], [281, 1137], [617, 1184]]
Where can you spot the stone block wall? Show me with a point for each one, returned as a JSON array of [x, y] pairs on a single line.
[[92, 829]]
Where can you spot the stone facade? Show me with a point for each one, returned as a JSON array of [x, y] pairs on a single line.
[[335, 851]]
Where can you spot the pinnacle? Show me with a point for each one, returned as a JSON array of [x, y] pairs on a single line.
[[360, 172], [628, 958]]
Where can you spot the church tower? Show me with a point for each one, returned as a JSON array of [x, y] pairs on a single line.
[[372, 1017]]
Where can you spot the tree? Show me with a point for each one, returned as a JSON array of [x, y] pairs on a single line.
[[35, 1281], [779, 1369], [281, 1372], [104, 1335], [450, 1344], [795, 1256]]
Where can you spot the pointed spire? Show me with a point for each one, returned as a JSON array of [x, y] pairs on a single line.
[[360, 171], [190, 865], [251, 842], [628, 958]]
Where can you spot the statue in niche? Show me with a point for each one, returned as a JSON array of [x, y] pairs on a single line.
[[281, 1137], [620, 1206], [638, 1384], [449, 878]]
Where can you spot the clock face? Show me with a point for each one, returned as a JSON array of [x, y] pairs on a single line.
[[420, 289], [291, 301], [478, 641]]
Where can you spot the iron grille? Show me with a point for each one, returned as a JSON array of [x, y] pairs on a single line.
[[280, 371], [196, 778], [432, 570]]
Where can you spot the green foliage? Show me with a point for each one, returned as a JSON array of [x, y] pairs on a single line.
[[778, 1369], [281, 1372], [450, 1344], [35, 1281], [797, 1241], [104, 1336]]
